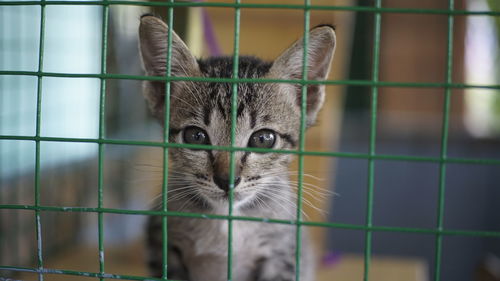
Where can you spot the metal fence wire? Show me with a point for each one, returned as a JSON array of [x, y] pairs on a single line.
[[368, 227]]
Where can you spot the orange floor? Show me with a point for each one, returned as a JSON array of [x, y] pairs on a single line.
[[129, 261]]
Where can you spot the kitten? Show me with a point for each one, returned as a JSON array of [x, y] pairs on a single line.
[[268, 116]]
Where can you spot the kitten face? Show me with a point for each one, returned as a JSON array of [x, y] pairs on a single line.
[[268, 115]]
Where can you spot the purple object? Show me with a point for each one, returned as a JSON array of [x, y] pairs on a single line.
[[209, 33], [208, 30], [331, 259]]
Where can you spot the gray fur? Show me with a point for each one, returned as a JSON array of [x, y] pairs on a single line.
[[198, 247]]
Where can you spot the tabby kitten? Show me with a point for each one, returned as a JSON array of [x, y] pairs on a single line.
[[268, 116]]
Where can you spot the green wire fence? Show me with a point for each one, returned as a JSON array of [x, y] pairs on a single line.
[[448, 85]]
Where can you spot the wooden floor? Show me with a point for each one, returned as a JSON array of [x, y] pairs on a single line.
[[130, 261]]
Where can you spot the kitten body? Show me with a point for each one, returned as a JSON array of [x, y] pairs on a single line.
[[268, 116]]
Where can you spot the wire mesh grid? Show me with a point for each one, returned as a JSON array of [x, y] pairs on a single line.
[[448, 85]]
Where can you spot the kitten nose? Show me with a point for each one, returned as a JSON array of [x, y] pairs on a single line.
[[223, 182], [221, 171]]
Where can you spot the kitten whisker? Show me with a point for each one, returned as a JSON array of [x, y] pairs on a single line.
[[312, 192], [279, 173], [174, 192], [311, 185], [281, 203], [307, 175], [286, 196], [320, 193], [304, 200], [315, 193], [312, 188]]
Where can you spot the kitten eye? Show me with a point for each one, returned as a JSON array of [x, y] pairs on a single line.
[[195, 135], [262, 139]]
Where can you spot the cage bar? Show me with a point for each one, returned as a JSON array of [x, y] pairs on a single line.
[[166, 135], [38, 223], [407, 158], [444, 144], [259, 6], [102, 135], [447, 232], [234, 118], [368, 83], [302, 139], [372, 144]]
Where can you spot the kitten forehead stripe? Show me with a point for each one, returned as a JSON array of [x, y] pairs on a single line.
[[206, 114], [220, 107], [266, 118], [253, 118], [241, 107]]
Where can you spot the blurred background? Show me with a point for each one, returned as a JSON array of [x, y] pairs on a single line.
[[412, 49]]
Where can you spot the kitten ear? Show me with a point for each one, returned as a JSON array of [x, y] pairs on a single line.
[[320, 50], [153, 38]]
